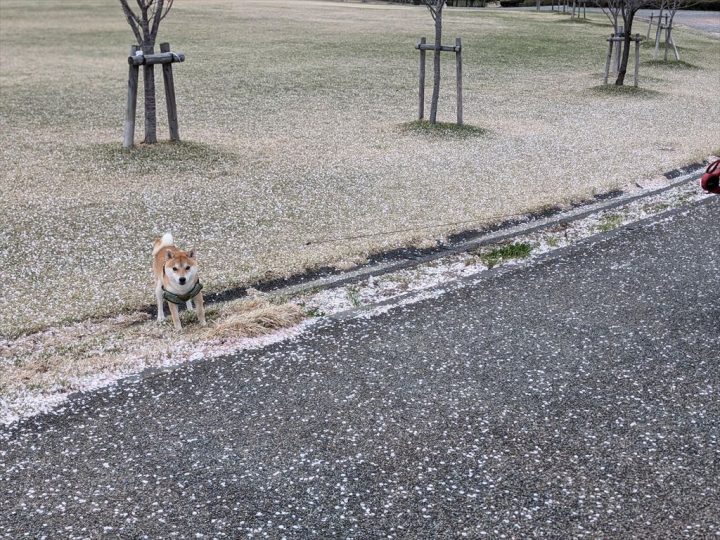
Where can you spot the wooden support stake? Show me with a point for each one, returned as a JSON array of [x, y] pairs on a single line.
[[170, 96], [649, 26], [458, 75], [421, 92], [607, 62], [637, 58], [672, 42], [130, 110]]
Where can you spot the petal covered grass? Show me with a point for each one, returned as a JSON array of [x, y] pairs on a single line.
[[292, 155]]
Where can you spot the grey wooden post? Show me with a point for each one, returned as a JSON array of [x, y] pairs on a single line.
[[458, 75], [609, 56], [421, 90], [672, 42], [130, 110], [618, 50], [170, 96], [649, 26], [637, 58]]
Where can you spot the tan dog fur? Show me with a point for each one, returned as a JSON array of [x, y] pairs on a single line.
[[177, 272]]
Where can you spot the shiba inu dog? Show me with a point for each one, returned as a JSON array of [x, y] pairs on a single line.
[[176, 280]]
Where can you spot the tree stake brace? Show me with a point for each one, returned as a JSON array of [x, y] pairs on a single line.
[[166, 58]]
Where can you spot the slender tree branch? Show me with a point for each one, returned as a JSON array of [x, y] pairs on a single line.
[[132, 20], [156, 17], [433, 5], [167, 9]]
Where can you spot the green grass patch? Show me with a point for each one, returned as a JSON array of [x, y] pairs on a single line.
[[314, 312], [609, 222], [182, 156], [656, 207], [508, 252], [353, 294], [551, 241], [443, 129], [576, 21], [625, 90], [671, 64]]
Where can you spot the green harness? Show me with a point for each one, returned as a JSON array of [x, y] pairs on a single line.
[[182, 298]]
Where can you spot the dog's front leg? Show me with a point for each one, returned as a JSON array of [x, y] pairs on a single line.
[[175, 316], [159, 298], [189, 305], [200, 309]]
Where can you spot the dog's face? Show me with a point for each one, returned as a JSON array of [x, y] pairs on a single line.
[[181, 267]]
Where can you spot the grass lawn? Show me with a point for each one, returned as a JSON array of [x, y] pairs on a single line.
[[298, 148]]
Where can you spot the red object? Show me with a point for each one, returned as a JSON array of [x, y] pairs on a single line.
[[710, 181]]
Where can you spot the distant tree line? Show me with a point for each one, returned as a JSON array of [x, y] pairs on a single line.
[[700, 5]]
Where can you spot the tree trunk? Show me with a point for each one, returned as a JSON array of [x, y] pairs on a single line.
[[436, 67], [149, 86], [622, 68]]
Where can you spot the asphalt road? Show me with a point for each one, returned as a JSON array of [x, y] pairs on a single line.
[[575, 397], [706, 21]]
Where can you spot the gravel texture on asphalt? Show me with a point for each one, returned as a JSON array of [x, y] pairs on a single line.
[[575, 397]]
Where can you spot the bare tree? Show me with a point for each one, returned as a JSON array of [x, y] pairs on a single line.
[[670, 7], [145, 25], [611, 9], [436, 10]]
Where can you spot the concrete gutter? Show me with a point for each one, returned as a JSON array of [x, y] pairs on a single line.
[[408, 258]]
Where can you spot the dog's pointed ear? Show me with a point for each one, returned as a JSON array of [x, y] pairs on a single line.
[[168, 255], [192, 253]]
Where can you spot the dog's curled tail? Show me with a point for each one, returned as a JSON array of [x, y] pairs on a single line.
[[166, 240]]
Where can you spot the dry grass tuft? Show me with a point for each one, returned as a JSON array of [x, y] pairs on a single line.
[[255, 317]]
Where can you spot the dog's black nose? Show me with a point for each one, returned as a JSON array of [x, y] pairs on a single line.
[[182, 281]]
